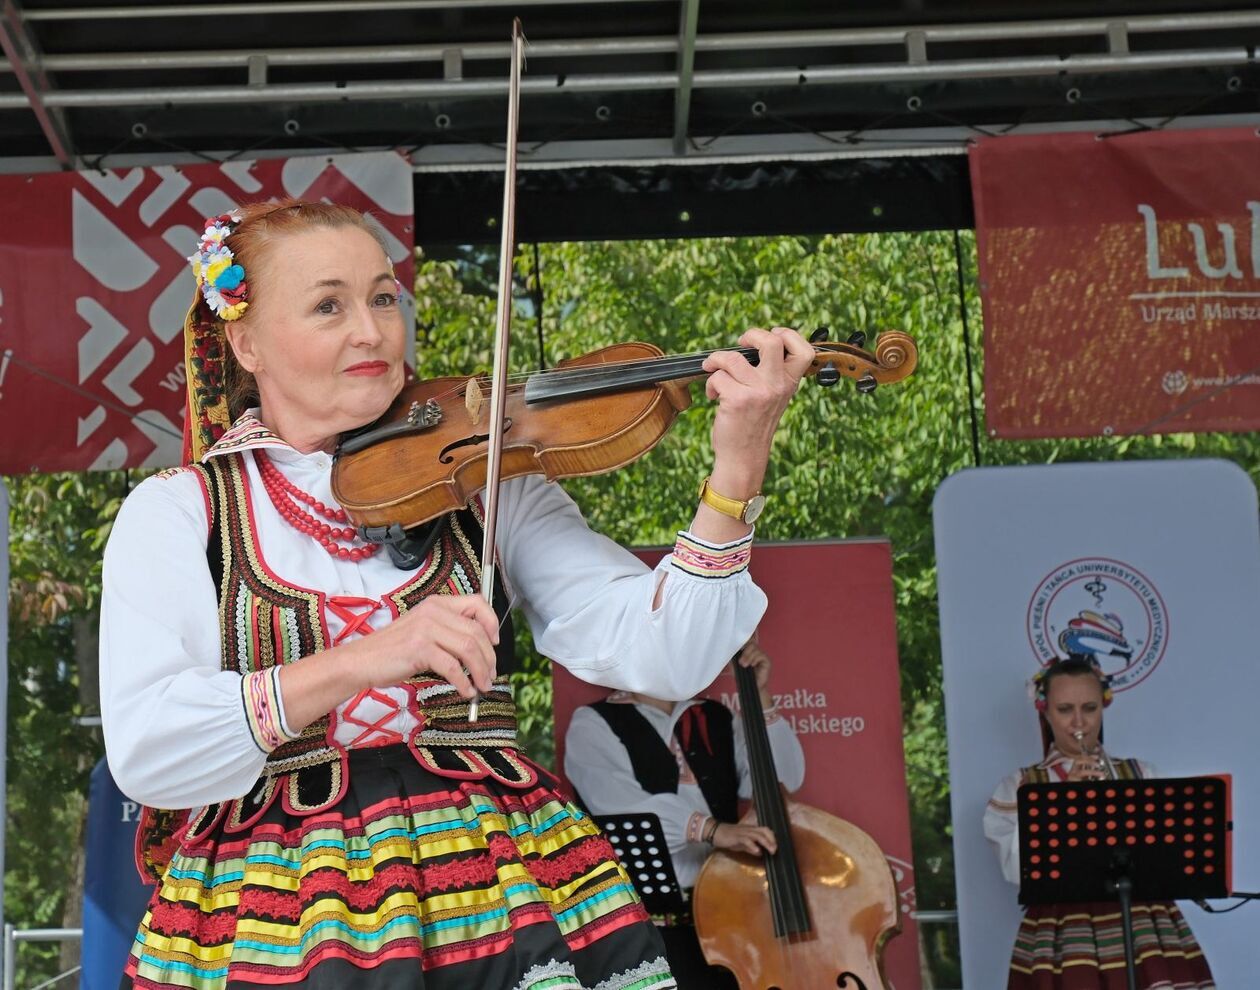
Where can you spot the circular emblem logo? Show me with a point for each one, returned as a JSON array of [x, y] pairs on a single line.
[[1101, 607], [1175, 382]]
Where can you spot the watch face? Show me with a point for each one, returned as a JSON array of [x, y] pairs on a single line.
[[754, 508]]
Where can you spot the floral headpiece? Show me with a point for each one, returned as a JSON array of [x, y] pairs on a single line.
[[1040, 682], [220, 279], [220, 296]]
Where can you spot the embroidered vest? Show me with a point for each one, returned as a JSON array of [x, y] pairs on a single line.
[[706, 737], [265, 621], [1125, 770]]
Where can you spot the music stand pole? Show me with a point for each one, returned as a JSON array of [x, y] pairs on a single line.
[[1124, 890]]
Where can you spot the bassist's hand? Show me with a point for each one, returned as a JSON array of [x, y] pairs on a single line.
[[751, 839]]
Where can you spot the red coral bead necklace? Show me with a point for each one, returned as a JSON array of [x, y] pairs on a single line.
[[286, 496]]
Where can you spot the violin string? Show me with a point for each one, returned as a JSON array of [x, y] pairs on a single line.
[[595, 370], [523, 377], [664, 366], [581, 374]]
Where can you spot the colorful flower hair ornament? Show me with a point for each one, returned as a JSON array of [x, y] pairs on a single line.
[[1040, 682], [220, 279]]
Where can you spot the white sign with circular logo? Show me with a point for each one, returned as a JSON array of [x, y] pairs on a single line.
[[1103, 608]]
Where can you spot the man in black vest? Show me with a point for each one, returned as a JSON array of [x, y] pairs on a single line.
[[685, 762]]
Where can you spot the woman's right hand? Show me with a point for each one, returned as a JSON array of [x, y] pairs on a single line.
[[450, 636], [751, 839], [1085, 768]]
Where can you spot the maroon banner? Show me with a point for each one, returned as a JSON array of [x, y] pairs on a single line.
[[1120, 278], [831, 635], [94, 285]]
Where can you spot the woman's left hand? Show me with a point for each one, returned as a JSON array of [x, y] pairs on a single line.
[[751, 401]]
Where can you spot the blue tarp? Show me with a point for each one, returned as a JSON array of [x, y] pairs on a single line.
[[113, 896]]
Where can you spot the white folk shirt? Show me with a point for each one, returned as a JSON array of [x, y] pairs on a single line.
[[1001, 818], [598, 766], [175, 729]]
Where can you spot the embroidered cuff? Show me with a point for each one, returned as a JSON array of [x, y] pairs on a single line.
[[695, 826], [264, 710], [709, 560]]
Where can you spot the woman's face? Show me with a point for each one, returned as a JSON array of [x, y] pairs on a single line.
[[324, 334], [1074, 703]]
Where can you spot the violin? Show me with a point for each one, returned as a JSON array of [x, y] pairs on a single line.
[[428, 454], [815, 913]]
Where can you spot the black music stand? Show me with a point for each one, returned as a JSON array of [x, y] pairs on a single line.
[[1161, 839], [640, 844]]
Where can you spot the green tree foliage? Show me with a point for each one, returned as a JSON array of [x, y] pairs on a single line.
[[58, 526], [844, 464]]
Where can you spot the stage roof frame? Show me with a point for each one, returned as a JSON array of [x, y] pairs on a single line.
[[699, 109]]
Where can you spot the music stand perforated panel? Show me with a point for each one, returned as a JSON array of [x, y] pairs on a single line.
[[640, 844], [1171, 836]]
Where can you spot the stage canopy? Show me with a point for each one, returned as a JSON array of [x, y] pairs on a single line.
[[639, 117]]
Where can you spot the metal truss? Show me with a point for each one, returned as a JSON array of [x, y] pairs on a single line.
[[25, 62], [788, 61]]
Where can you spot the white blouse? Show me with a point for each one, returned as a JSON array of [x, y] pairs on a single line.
[[176, 731], [598, 765], [1001, 818]]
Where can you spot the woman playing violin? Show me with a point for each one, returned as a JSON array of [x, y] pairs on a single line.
[[303, 704]]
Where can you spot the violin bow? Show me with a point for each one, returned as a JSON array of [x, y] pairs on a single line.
[[502, 331]]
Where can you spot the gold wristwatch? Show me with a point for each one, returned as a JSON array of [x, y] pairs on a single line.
[[746, 512]]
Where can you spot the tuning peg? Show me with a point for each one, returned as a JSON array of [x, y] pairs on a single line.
[[828, 376], [866, 384], [819, 335], [856, 339]]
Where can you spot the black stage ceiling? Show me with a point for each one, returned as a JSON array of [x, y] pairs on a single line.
[[639, 117]]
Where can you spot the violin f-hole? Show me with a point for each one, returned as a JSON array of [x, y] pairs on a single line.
[[843, 980], [447, 454]]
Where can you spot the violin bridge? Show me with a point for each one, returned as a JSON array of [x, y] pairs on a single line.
[[473, 400]]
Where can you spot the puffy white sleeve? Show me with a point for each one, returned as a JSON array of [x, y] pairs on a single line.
[[1001, 826], [177, 729], [589, 601], [789, 757], [598, 767]]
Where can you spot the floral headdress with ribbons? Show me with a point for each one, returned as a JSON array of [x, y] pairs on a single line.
[[1037, 687], [222, 296]]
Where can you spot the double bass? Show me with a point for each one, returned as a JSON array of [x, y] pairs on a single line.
[[815, 913]]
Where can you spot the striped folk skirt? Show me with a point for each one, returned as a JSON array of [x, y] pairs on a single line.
[[1081, 947], [411, 882]]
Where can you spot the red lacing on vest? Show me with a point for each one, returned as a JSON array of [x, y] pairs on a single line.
[[374, 732], [342, 606]]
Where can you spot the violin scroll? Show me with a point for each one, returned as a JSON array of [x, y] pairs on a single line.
[[895, 358]]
